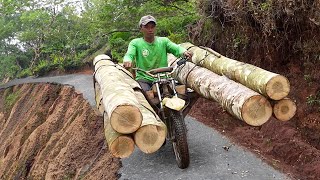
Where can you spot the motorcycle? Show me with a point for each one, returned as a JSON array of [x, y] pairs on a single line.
[[172, 104]]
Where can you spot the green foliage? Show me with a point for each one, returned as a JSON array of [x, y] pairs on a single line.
[[240, 41], [118, 46], [308, 78], [73, 64], [8, 67], [314, 100], [42, 68], [24, 73], [36, 39], [172, 20], [10, 99]]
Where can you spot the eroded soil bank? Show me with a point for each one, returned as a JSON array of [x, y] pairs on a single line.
[[50, 131]]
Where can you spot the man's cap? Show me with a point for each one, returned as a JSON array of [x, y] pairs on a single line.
[[146, 19]]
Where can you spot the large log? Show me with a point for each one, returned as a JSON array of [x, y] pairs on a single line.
[[98, 98], [119, 100], [152, 133], [284, 109], [238, 100], [119, 145], [269, 84]]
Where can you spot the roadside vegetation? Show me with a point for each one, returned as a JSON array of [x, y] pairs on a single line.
[[37, 37], [10, 98]]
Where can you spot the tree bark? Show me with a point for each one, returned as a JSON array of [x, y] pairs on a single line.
[[238, 100], [269, 84], [152, 133], [119, 100], [284, 109], [98, 98], [120, 145]]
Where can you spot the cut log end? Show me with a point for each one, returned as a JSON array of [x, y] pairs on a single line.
[[278, 87], [256, 110], [150, 138], [126, 119], [122, 147], [284, 109]]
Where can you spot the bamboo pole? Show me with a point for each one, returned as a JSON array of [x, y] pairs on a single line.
[[238, 100], [119, 100], [269, 84], [284, 109]]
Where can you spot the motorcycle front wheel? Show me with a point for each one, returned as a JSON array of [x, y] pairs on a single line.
[[179, 139]]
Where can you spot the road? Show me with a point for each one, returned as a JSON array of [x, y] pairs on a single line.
[[208, 157]]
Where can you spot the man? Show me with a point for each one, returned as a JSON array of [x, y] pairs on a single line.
[[150, 51]]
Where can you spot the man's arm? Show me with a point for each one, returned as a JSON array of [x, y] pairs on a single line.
[[177, 50], [130, 55]]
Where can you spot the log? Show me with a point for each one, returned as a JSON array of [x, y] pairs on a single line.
[[152, 133], [240, 101], [120, 145], [119, 100], [284, 109], [269, 84], [98, 98]]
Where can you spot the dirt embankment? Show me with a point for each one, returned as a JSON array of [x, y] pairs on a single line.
[[281, 36], [49, 131]]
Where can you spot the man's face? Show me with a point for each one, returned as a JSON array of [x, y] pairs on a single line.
[[148, 30]]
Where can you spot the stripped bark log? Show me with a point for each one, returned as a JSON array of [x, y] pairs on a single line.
[[152, 133], [98, 98], [270, 84], [119, 145], [119, 99], [238, 100], [284, 109]]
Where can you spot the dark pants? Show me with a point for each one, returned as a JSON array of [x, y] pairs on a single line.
[[145, 85]]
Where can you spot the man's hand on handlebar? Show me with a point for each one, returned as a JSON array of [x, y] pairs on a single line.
[[188, 55], [127, 64]]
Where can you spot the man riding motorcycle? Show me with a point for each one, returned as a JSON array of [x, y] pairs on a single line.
[[150, 51]]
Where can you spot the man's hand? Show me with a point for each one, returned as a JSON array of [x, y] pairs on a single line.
[[127, 64], [188, 55]]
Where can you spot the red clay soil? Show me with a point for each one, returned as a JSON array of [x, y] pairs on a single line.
[[292, 147], [51, 132]]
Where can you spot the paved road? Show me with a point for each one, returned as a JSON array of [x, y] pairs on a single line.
[[209, 160]]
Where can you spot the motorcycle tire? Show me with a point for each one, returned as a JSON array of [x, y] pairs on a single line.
[[179, 143]]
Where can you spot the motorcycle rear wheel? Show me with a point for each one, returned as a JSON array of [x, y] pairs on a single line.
[[179, 139]]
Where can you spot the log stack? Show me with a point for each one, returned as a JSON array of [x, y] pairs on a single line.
[[240, 101], [269, 84], [128, 118], [273, 86]]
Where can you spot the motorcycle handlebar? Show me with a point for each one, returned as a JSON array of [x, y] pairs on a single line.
[[180, 62]]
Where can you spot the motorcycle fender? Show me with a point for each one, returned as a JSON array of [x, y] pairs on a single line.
[[174, 103]]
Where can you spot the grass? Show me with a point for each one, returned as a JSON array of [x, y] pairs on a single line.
[[10, 98]]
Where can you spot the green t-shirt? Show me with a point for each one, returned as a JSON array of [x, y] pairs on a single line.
[[151, 55]]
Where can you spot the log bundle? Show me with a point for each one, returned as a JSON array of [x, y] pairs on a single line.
[[273, 86], [120, 145], [119, 100], [269, 84], [240, 101], [129, 119]]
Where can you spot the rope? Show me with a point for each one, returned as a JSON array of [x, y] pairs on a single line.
[[205, 56]]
